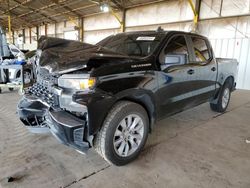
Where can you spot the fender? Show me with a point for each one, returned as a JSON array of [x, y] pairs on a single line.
[[100, 103], [221, 81], [139, 88], [143, 97]]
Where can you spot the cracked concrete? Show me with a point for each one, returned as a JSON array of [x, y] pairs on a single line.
[[196, 148], [85, 177]]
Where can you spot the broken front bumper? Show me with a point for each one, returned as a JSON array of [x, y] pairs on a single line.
[[39, 117]]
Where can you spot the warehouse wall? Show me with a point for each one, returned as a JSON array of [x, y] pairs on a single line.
[[164, 14], [98, 27], [227, 20]]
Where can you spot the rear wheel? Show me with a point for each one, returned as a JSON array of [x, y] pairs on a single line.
[[223, 100], [124, 133]]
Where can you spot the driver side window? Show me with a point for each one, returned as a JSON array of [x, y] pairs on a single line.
[[176, 51]]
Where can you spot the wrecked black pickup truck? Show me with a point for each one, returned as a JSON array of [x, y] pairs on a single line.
[[108, 96]]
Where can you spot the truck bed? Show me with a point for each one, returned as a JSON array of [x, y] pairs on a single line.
[[226, 67]]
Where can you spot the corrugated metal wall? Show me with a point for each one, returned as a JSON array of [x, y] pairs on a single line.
[[239, 49]]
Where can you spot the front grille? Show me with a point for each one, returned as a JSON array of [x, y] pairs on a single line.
[[45, 77], [42, 92]]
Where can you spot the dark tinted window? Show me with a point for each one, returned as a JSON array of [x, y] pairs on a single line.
[[132, 44], [177, 45], [200, 49]]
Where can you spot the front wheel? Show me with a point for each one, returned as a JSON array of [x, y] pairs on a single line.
[[123, 134], [223, 100]]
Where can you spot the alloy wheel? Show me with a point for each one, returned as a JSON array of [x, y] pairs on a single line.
[[225, 97], [128, 135]]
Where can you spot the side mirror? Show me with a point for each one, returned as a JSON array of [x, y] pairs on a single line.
[[175, 59]]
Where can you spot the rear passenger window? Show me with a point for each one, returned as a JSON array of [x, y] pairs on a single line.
[[201, 49]]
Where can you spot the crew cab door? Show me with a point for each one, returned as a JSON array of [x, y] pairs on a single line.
[[204, 69], [174, 78]]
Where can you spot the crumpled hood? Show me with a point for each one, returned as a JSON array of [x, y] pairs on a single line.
[[62, 56]]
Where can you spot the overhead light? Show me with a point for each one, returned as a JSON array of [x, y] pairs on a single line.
[[104, 7]]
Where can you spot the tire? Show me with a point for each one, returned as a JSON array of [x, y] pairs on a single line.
[[114, 142], [223, 101], [11, 88]]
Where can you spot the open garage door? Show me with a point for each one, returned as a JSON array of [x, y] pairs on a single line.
[[239, 49]]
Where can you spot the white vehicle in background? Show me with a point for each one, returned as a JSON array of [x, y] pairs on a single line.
[[11, 54], [14, 74], [15, 51]]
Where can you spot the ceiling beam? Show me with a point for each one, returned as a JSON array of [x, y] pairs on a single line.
[[145, 4], [65, 12], [119, 4], [33, 9], [18, 5], [14, 15], [67, 8], [94, 1], [42, 8]]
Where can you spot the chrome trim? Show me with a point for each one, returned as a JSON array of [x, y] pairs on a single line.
[[74, 76]]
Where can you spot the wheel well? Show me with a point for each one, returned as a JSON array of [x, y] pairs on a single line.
[[230, 80]]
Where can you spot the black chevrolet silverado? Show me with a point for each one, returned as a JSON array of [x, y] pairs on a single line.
[[108, 96]]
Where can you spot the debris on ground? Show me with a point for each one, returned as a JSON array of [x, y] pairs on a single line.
[[10, 179]]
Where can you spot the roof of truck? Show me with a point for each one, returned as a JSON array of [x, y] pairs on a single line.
[[152, 32]]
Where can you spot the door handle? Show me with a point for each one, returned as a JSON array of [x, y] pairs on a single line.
[[213, 69], [190, 71]]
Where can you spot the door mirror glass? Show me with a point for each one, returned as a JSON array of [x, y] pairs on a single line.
[[172, 59], [175, 59]]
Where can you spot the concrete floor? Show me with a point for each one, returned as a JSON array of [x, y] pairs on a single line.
[[196, 148]]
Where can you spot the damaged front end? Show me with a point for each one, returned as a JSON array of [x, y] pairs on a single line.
[[47, 106], [64, 70]]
